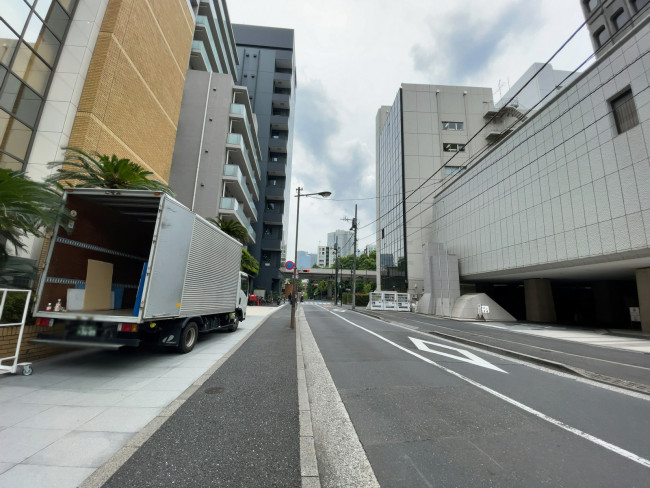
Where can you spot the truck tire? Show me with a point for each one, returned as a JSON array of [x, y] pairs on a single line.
[[234, 326], [189, 336]]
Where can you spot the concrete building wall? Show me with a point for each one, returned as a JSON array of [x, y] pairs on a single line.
[[424, 109], [609, 20], [132, 93], [566, 189], [200, 151]]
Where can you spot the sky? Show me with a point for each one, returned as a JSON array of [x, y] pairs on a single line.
[[352, 56]]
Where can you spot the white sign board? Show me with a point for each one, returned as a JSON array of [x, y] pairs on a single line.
[[485, 309]]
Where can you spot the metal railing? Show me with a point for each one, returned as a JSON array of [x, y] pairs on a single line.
[[27, 370]]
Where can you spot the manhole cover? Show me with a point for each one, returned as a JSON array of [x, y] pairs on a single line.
[[213, 391]]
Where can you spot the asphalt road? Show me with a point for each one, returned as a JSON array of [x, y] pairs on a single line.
[[240, 428], [431, 412], [615, 363]]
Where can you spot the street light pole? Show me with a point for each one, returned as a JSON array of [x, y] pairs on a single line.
[[294, 287]]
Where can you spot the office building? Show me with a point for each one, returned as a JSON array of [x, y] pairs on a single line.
[[306, 260], [430, 134], [326, 256], [345, 240], [267, 70], [216, 163], [554, 221], [608, 20]]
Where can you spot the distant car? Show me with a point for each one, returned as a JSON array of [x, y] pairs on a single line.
[[253, 300]]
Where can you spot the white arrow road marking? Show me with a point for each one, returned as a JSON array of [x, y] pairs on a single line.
[[467, 356], [600, 442]]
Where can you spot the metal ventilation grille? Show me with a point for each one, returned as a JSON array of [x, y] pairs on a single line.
[[212, 272]]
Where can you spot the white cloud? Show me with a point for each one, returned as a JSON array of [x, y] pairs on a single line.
[[351, 58]]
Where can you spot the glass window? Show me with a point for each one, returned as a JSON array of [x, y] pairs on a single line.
[[14, 136], [20, 100], [624, 110], [31, 69], [56, 19], [453, 170], [601, 36], [453, 147], [452, 126], [68, 4], [41, 39], [590, 4], [620, 18], [43, 7], [15, 13], [8, 41], [7, 162], [639, 4]]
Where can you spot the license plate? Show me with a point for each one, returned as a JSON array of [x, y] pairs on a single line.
[[87, 330]]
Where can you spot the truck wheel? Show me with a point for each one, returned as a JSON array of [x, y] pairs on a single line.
[[188, 338], [234, 326]]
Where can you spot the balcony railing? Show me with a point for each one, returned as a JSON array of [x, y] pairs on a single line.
[[231, 206], [238, 109], [238, 140], [198, 50], [275, 191], [203, 22], [233, 171]]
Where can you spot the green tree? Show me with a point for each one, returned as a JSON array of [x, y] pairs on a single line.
[[248, 263], [232, 228], [80, 169], [26, 207]]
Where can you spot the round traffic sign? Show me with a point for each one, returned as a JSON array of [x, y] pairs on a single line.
[[289, 265]]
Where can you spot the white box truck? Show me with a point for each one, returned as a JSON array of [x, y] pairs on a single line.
[[137, 266]]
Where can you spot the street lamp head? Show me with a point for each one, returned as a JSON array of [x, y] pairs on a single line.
[[325, 194]]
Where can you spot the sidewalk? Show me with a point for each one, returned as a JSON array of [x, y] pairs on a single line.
[[77, 410]]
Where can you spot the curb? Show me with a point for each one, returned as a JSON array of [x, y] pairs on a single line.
[[102, 474], [608, 380], [308, 463]]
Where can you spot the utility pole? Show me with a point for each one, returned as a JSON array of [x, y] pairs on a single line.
[[336, 270], [354, 259]]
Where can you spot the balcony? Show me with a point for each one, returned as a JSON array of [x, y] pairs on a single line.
[[241, 124], [204, 33], [275, 192], [238, 154], [278, 144], [280, 122], [273, 217], [271, 244], [281, 100], [226, 38], [236, 182], [276, 168], [199, 59], [230, 207]]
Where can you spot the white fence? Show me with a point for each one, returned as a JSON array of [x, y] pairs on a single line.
[[390, 300], [27, 370]]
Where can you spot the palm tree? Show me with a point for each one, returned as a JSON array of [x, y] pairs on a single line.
[[239, 232], [232, 228], [83, 170], [26, 207]]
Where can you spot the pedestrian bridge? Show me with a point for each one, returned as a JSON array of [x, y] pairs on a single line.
[[327, 274]]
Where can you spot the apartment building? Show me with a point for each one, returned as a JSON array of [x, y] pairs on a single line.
[[216, 161], [267, 69], [608, 20]]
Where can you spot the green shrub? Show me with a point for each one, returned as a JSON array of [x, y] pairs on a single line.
[[361, 299], [13, 309]]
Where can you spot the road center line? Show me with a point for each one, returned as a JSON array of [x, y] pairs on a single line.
[[600, 442]]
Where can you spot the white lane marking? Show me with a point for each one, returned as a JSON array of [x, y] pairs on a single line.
[[466, 357], [489, 325], [600, 442]]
